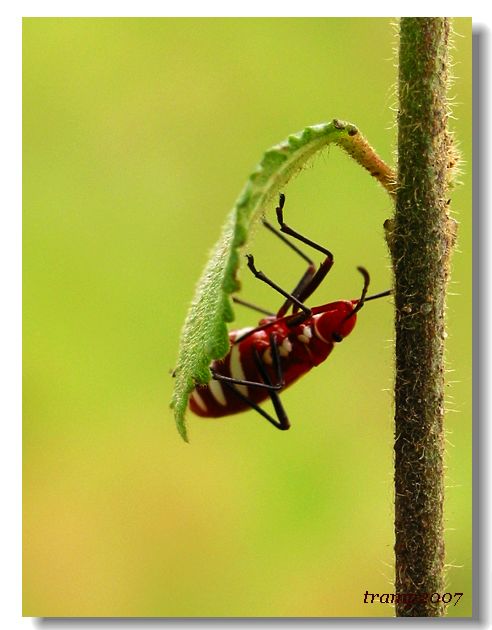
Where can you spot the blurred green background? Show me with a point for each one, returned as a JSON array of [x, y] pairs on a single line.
[[138, 136]]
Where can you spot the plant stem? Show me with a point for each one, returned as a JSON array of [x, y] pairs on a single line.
[[420, 238]]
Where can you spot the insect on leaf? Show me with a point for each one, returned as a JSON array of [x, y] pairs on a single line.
[[204, 336]]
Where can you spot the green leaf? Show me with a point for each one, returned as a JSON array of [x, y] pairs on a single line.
[[204, 336]]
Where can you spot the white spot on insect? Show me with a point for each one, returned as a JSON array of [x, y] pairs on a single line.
[[306, 334], [236, 369], [285, 347], [267, 356], [199, 400], [241, 332], [316, 331], [217, 392]]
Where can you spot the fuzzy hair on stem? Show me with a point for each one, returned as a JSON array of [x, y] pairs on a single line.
[[421, 236]]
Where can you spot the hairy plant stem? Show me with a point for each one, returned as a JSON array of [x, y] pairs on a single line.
[[420, 239]]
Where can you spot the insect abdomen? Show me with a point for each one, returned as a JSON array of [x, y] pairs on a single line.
[[217, 399]]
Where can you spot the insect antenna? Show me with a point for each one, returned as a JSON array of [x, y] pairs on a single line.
[[363, 297], [378, 295]]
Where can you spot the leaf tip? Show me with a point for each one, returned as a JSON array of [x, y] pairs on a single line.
[[179, 418], [183, 432]]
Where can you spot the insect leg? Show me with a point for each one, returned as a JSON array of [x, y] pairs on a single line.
[[311, 279], [238, 381], [307, 286], [288, 230], [308, 274], [279, 235], [325, 266], [261, 276], [266, 384], [316, 280], [300, 287], [237, 300], [282, 421], [276, 423], [298, 291]]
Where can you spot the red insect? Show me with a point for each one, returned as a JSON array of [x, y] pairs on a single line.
[[265, 360]]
